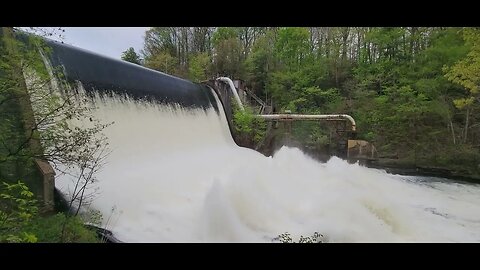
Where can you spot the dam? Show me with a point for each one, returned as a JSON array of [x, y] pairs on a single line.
[[174, 173]]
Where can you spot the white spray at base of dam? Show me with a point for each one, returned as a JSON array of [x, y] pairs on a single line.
[[175, 175]]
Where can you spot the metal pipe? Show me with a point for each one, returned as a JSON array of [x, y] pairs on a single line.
[[327, 117], [289, 116], [233, 89]]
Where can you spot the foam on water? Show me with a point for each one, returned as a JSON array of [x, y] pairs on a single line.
[[175, 175]]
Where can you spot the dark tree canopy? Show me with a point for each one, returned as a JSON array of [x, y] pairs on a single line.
[[131, 56]]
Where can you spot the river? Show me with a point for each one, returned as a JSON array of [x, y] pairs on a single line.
[[176, 175]]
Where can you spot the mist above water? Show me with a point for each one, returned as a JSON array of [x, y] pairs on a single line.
[[175, 175]]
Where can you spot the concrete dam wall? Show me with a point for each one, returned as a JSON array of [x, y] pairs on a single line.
[[174, 173]]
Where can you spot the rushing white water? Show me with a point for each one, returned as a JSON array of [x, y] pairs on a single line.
[[175, 175]]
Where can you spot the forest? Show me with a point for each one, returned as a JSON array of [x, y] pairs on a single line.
[[412, 90]]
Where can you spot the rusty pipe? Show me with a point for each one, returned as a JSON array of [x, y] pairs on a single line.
[[328, 117]]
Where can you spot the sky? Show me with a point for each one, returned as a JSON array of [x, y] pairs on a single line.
[[109, 41]]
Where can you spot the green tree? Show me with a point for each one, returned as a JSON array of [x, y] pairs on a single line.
[[198, 67], [248, 129], [21, 222], [389, 78], [227, 53], [17, 209], [466, 73], [160, 39], [163, 62], [293, 46], [131, 56], [41, 118], [261, 63], [222, 34]]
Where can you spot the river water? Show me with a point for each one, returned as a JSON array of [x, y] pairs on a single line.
[[176, 175]]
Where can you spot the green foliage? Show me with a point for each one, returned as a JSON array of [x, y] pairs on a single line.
[[228, 58], [163, 62], [315, 100], [157, 40], [42, 118], [223, 34], [20, 221], [388, 40], [292, 46], [466, 72], [463, 102], [402, 102], [250, 129], [198, 68], [17, 208], [389, 78], [49, 229], [131, 56], [260, 63]]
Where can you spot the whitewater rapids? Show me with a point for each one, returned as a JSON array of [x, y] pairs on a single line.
[[175, 175]]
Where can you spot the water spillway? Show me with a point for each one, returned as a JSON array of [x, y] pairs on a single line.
[[174, 174], [103, 74]]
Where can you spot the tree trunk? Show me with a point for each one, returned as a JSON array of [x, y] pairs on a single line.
[[344, 40], [466, 126], [320, 43], [312, 39], [413, 33], [327, 42], [336, 73], [358, 45], [369, 53], [453, 133]]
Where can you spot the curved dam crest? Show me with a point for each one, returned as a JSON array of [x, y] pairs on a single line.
[[175, 174], [103, 74]]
